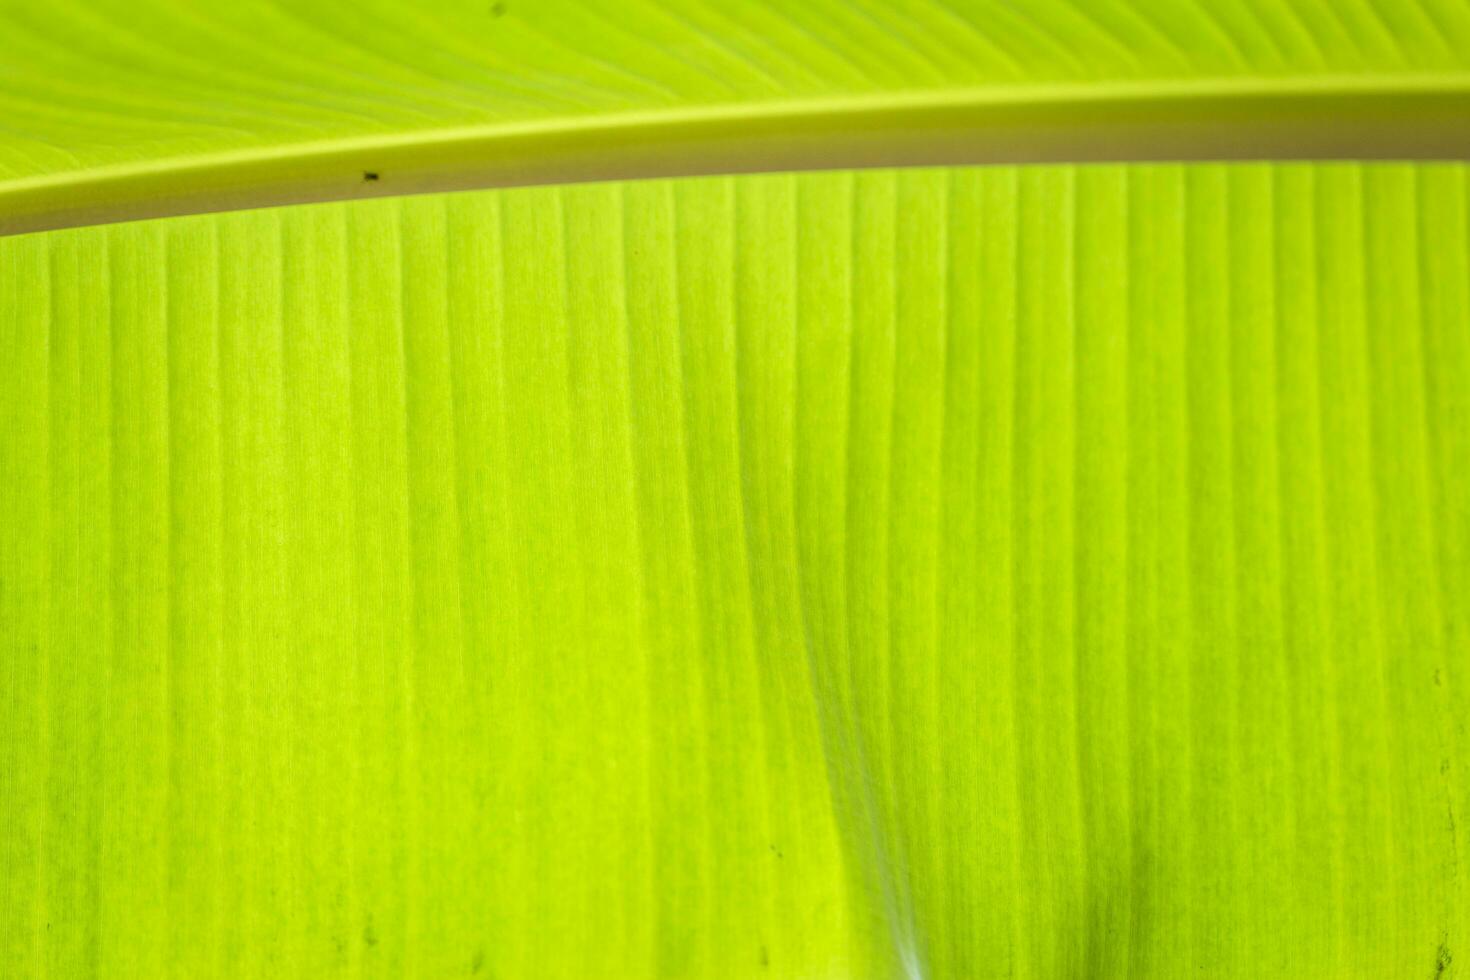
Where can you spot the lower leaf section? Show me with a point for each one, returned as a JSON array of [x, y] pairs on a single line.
[[976, 572]]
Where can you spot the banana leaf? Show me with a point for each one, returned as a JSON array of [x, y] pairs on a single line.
[[689, 567]]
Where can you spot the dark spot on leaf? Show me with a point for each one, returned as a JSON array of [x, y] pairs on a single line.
[[369, 175], [478, 963], [369, 934], [1442, 958], [765, 958], [497, 10]]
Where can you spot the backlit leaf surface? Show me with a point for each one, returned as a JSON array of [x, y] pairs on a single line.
[[1042, 572]]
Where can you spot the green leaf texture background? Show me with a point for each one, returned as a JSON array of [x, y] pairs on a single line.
[[1040, 572]]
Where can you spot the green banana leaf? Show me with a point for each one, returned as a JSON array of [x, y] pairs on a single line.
[[1049, 570]]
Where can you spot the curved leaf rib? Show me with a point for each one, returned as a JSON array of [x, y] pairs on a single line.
[[118, 112]]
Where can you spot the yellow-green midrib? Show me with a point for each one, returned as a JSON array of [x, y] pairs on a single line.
[[97, 84]]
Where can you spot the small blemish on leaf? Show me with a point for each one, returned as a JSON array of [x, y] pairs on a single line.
[[497, 10], [369, 175]]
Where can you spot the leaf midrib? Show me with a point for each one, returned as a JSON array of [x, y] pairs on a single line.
[[1408, 117]]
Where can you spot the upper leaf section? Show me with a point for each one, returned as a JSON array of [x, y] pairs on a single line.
[[112, 108]]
